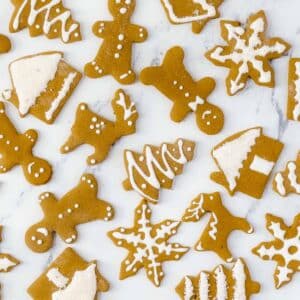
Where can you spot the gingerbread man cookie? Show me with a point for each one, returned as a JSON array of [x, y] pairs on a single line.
[[69, 276], [5, 44], [147, 245], [16, 149], [48, 17], [173, 80], [100, 133], [114, 55], [220, 225], [78, 206], [248, 53], [221, 283], [156, 167], [246, 160], [197, 12]]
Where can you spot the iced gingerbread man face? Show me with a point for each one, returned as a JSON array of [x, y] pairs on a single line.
[[120, 8]]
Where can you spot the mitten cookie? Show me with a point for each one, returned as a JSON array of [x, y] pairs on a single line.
[[221, 283], [173, 80], [16, 149], [156, 167], [100, 133], [147, 245], [42, 83], [114, 55], [78, 206], [246, 160], [221, 223], [293, 106], [284, 249], [197, 12], [5, 44], [288, 181], [48, 17], [248, 53], [69, 277]]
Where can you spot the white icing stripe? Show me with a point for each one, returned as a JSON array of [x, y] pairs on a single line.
[[221, 282], [279, 181], [210, 12], [239, 276], [213, 231], [194, 104], [293, 177], [188, 289], [261, 165], [296, 111], [43, 231], [34, 13], [203, 286], [61, 95], [58, 279]]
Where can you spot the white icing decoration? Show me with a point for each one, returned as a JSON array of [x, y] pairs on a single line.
[[261, 165], [296, 111], [194, 212], [239, 276], [292, 177], [213, 229], [188, 289], [194, 104], [204, 286], [58, 279], [279, 180], [231, 154], [221, 282], [6, 263], [30, 77], [61, 95], [43, 231], [128, 111]]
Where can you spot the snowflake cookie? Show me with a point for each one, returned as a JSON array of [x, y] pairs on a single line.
[[100, 133], [48, 17], [246, 160], [119, 35], [147, 245], [175, 82], [248, 53], [284, 249], [197, 12], [220, 284], [69, 277], [5, 44], [78, 206], [42, 84], [220, 225], [16, 149], [156, 167]]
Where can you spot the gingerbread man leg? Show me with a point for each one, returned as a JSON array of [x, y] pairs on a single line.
[[95, 70], [124, 75], [66, 232]]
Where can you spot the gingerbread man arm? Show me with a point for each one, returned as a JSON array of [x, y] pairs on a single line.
[[102, 29], [179, 111], [137, 34]]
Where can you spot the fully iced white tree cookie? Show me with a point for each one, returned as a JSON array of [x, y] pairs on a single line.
[[247, 53]]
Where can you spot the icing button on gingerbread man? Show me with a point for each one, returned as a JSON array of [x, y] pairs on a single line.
[[114, 55], [78, 206]]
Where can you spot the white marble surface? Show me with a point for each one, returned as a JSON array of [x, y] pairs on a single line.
[[19, 207]]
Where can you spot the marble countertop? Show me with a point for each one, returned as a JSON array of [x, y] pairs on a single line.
[[19, 206]]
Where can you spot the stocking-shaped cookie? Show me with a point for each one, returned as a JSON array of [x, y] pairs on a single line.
[[78, 206], [114, 55], [16, 149], [220, 225], [5, 44], [173, 80], [100, 133]]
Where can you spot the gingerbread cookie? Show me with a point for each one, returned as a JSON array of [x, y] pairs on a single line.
[[221, 283], [100, 133], [248, 53], [78, 206], [16, 149], [156, 167], [284, 249], [69, 277], [221, 224], [42, 84], [48, 17], [293, 106], [5, 44], [246, 160], [173, 80], [114, 55], [147, 245], [197, 12]]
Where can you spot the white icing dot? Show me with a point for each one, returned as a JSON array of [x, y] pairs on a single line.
[[119, 242], [121, 37], [82, 107], [129, 123], [36, 175], [122, 229], [92, 127], [181, 87], [117, 55], [187, 95], [119, 46], [93, 161], [8, 142], [144, 186], [123, 10], [33, 238], [1, 136], [69, 210], [141, 158], [60, 216], [175, 82], [37, 26], [39, 242], [67, 148], [16, 148], [189, 149], [98, 125], [108, 208], [76, 205], [98, 131]]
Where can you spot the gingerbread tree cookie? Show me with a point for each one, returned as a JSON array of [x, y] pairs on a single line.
[[78, 206], [221, 283], [284, 249], [147, 245], [100, 133], [220, 225], [16, 149], [48, 17], [197, 12], [173, 80], [248, 53], [246, 160], [69, 277], [5, 44], [156, 167], [114, 55], [42, 84]]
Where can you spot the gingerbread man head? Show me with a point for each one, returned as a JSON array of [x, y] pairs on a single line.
[[121, 8]]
